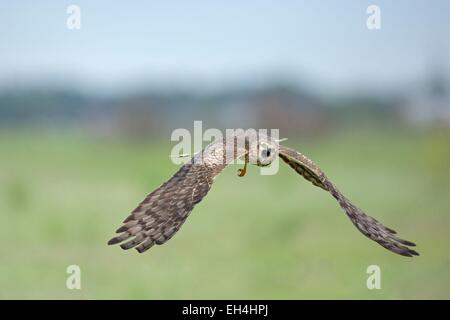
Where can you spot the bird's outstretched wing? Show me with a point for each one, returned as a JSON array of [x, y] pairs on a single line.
[[369, 226], [159, 216]]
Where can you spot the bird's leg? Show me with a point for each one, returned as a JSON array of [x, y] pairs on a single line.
[[243, 171]]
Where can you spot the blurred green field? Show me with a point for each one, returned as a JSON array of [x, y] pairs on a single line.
[[62, 195]]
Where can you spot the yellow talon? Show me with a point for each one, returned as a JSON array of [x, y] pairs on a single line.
[[243, 171]]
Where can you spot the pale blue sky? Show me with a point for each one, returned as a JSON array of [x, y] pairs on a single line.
[[207, 43]]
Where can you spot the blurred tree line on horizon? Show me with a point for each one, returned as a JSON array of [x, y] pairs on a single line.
[[280, 104]]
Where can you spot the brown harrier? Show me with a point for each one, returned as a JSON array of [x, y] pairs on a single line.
[[159, 216]]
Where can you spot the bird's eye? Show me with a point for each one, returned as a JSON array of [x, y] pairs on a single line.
[[266, 153]]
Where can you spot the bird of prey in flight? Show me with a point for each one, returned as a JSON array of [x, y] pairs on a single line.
[[159, 216]]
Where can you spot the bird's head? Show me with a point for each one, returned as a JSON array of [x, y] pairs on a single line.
[[262, 150]]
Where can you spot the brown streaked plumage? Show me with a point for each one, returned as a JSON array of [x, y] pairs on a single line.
[[368, 226], [160, 215]]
